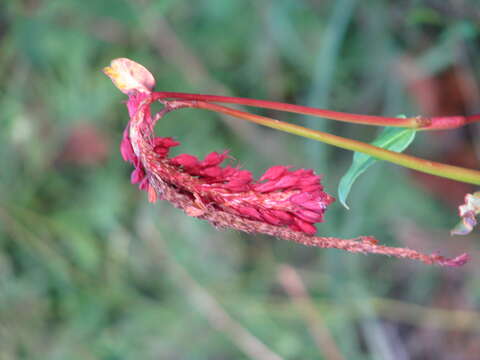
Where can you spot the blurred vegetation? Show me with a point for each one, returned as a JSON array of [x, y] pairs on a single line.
[[90, 270]]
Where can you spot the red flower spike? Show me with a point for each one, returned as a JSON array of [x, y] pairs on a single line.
[[283, 203], [229, 189]]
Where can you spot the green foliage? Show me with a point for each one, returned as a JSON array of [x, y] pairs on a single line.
[[394, 139]]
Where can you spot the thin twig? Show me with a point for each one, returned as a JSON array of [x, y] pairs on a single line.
[[402, 312], [294, 286], [426, 316]]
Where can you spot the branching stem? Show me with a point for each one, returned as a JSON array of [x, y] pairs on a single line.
[[417, 122], [430, 167]]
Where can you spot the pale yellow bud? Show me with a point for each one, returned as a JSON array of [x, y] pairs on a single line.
[[128, 75]]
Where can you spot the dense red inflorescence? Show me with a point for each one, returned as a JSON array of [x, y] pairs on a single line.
[[282, 196], [283, 202]]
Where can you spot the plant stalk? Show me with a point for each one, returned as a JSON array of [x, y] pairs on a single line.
[[430, 167], [417, 122]]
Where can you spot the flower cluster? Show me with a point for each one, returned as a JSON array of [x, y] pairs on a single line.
[[283, 202], [281, 197]]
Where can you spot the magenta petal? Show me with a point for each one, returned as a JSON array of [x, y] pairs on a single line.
[[236, 185], [265, 187], [185, 160], [309, 216], [300, 198], [137, 175], [214, 158], [213, 172], [305, 227], [126, 148], [161, 151], [244, 175], [286, 181], [144, 184], [282, 215], [270, 218], [167, 142], [313, 205], [249, 212], [304, 181], [274, 172]]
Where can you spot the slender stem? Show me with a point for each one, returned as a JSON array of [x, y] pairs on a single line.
[[298, 109], [298, 292], [430, 167], [417, 122]]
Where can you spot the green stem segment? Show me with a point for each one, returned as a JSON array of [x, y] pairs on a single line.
[[418, 122], [429, 167]]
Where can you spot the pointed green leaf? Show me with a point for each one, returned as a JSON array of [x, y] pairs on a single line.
[[394, 139]]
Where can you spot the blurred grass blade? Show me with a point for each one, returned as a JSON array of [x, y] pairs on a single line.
[[394, 139]]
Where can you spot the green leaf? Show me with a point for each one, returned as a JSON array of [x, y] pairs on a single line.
[[394, 139]]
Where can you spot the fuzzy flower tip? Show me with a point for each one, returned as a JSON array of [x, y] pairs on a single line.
[[284, 202]]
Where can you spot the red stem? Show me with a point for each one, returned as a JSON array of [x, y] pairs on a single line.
[[418, 122], [430, 167], [447, 122]]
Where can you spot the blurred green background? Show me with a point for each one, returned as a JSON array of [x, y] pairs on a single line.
[[90, 270]]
